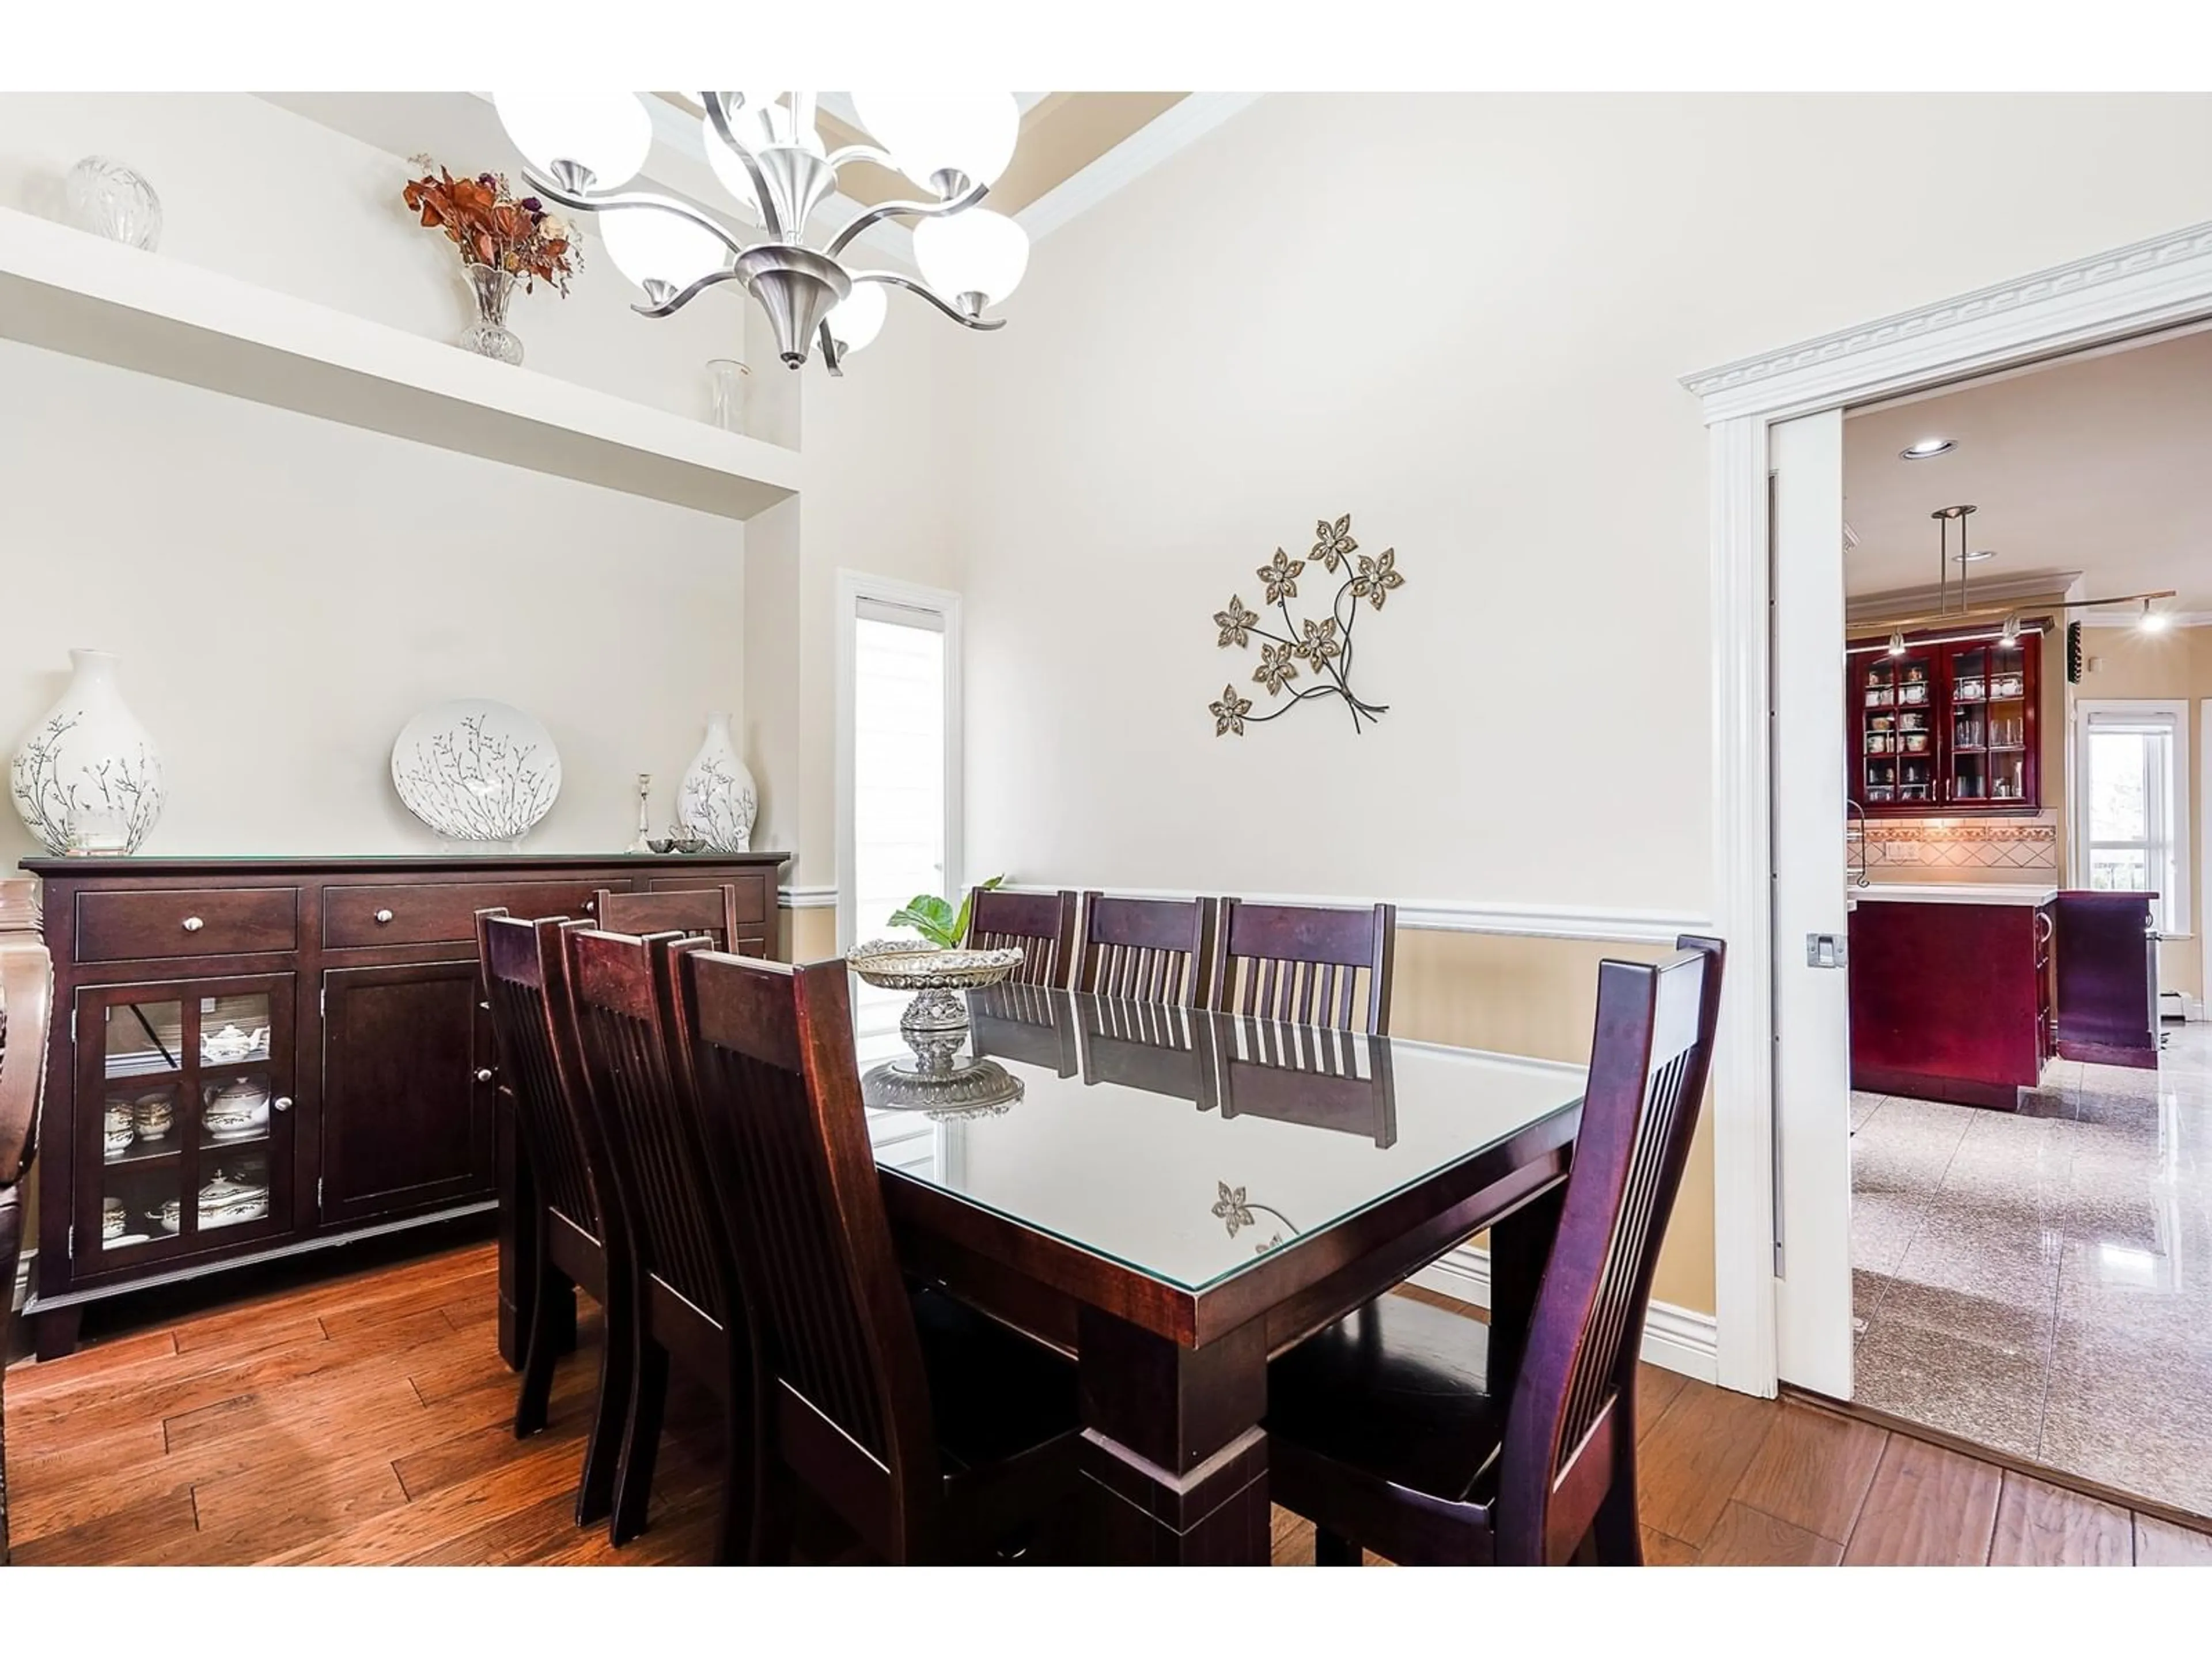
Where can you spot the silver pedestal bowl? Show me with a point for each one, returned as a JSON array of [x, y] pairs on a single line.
[[934, 1025]]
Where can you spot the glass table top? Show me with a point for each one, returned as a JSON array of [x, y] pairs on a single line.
[[1189, 1145]]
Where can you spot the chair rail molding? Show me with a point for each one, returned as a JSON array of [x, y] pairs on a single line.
[[807, 898], [1516, 920], [2163, 282]]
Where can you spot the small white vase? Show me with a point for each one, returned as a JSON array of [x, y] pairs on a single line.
[[88, 778], [716, 801]]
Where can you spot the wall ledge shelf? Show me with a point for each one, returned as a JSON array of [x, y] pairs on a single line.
[[66, 291]]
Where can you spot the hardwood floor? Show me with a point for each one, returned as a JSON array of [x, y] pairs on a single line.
[[366, 1419]]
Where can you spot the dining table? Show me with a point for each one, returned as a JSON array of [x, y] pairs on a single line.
[[1177, 1196]]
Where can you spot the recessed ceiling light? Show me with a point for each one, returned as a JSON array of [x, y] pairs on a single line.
[[1927, 447]]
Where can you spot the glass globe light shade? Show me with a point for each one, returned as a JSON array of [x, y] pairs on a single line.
[[608, 132], [859, 317], [648, 245], [970, 132], [974, 252], [728, 168]]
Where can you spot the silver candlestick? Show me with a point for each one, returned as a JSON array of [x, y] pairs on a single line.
[[644, 817]]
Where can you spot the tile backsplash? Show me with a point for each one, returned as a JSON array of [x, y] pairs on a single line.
[[1946, 850]]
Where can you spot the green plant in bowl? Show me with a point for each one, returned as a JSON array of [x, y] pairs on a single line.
[[936, 919]]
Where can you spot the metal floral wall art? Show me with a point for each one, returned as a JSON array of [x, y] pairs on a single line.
[[1316, 650]]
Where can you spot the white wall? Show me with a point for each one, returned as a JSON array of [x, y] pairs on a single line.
[[285, 593], [1461, 318]]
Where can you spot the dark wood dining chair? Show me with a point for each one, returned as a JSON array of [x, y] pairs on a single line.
[[934, 1433], [1042, 924], [689, 1312], [26, 1011], [1389, 1430], [709, 912], [1146, 950], [573, 1223], [1305, 964]]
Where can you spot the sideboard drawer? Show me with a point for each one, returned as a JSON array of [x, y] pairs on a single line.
[[208, 921], [439, 912], [755, 894]]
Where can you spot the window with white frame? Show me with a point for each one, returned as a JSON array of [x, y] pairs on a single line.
[[2132, 810]]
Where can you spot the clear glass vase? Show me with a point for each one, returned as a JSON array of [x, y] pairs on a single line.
[[725, 384], [489, 335], [110, 200]]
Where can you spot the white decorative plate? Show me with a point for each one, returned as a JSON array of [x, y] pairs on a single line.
[[475, 770]]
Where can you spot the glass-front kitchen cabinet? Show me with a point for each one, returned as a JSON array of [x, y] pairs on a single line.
[[1944, 728]]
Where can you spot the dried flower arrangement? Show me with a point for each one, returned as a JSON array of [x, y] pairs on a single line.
[[1324, 647], [492, 226]]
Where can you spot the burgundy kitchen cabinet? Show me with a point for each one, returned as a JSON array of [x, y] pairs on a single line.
[[341, 992], [1945, 728], [2108, 978], [1950, 1000]]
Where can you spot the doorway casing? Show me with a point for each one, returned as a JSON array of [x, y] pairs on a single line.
[[2161, 283]]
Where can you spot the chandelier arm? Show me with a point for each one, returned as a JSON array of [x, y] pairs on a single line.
[[882, 210], [892, 278], [881, 157], [582, 203], [718, 118], [683, 296], [831, 358]]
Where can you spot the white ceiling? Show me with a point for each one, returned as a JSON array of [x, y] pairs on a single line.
[[2098, 465]]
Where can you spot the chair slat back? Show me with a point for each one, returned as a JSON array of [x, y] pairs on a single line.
[[526, 981], [1146, 950], [1306, 965], [771, 1067], [1649, 1057], [1042, 924], [654, 1147], [709, 912], [1327, 1078]]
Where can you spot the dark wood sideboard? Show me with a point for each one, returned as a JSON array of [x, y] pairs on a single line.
[[344, 989]]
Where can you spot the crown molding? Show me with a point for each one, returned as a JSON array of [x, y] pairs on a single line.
[[2050, 585], [2142, 286], [1173, 130], [2118, 618]]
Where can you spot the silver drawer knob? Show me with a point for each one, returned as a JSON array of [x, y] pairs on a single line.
[[282, 1104], [383, 916], [484, 1074], [193, 924]]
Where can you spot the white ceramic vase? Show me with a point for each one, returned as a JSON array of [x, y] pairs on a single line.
[[716, 800], [88, 778]]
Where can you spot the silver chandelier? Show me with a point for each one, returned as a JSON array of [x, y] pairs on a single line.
[[582, 147]]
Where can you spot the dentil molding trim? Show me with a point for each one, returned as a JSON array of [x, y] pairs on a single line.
[[1679, 1338], [2151, 282]]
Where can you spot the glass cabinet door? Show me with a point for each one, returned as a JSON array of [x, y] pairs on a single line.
[[2007, 723], [191, 1146], [1897, 729]]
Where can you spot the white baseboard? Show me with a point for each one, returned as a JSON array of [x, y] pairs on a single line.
[[1676, 1338], [22, 1286]]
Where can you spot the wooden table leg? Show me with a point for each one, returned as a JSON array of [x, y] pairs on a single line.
[[1520, 1244], [1175, 1461]]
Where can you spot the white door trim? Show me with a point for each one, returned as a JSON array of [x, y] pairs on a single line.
[[853, 587], [2158, 283], [2198, 1011]]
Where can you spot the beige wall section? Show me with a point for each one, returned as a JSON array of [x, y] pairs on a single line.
[[2172, 665], [809, 935], [1538, 996]]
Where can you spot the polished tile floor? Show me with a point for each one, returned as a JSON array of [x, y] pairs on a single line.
[[2040, 1282]]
